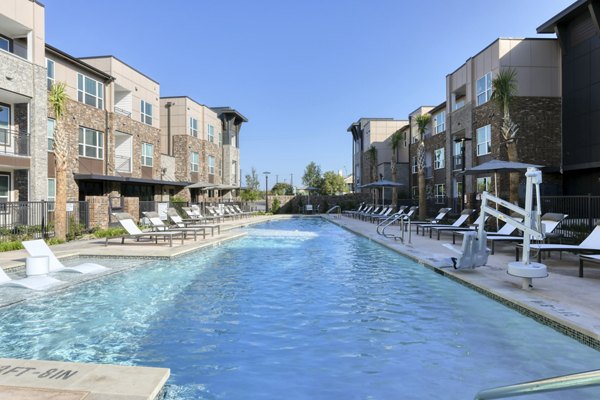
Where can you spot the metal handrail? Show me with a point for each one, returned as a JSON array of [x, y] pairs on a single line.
[[564, 382], [390, 220], [339, 210]]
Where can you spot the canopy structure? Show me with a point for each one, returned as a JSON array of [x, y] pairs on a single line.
[[201, 185], [383, 183]]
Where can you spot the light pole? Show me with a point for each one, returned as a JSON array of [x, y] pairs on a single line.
[[462, 141], [266, 173]]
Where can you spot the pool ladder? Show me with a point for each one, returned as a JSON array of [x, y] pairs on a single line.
[[338, 214], [564, 382], [391, 220]]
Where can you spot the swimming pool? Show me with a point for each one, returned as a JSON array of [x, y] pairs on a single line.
[[298, 309]]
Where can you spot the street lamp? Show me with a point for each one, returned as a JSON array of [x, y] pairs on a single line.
[[266, 173], [462, 141]]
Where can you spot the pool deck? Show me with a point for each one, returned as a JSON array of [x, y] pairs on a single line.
[[562, 300]]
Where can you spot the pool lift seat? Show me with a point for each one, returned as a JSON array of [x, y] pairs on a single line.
[[474, 252]]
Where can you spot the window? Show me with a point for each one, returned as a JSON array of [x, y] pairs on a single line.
[[484, 140], [234, 172], [4, 188], [211, 165], [51, 193], [414, 165], [146, 112], [193, 127], [5, 44], [440, 159], [484, 184], [210, 130], [147, 154], [458, 155], [50, 73], [90, 143], [459, 103], [194, 162], [439, 123], [50, 129], [5, 119], [484, 88], [440, 193], [90, 91]]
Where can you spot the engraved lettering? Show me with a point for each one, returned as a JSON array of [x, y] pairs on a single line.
[[26, 369], [47, 373], [3, 367], [56, 374], [65, 374], [14, 369]]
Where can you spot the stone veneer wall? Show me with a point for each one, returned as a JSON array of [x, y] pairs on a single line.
[[131, 205], [98, 211]]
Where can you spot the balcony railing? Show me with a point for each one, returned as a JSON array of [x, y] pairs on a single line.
[[457, 162], [122, 164], [121, 111], [14, 142]]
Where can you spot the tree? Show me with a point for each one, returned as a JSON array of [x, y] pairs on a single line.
[[396, 139], [332, 183], [282, 188], [312, 175], [57, 100], [504, 88], [422, 122], [252, 191]]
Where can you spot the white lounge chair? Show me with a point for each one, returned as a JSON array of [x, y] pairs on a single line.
[[462, 218], [442, 212], [177, 220], [39, 248], [134, 232], [591, 244], [38, 282], [160, 226], [590, 258]]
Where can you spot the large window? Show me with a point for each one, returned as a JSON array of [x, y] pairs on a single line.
[[484, 88], [147, 154], [4, 188], [210, 131], [5, 44], [193, 127], [439, 123], [440, 159], [458, 155], [146, 112], [194, 162], [484, 184], [440, 193], [484, 140], [5, 122], [211, 165], [51, 126], [459, 102], [50, 73], [414, 165], [91, 143], [51, 193], [90, 91]]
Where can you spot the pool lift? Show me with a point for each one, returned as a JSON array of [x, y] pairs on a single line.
[[474, 252]]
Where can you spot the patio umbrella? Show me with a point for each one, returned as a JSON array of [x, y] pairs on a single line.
[[496, 166], [383, 183]]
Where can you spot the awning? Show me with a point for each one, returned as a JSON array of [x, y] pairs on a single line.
[[112, 178], [201, 185]]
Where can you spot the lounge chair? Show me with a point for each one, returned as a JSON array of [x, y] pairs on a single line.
[[194, 215], [506, 230], [386, 216], [37, 282], [174, 216], [443, 228], [133, 232], [462, 218], [590, 258], [160, 226], [591, 244], [39, 248], [442, 212], [240, 211]]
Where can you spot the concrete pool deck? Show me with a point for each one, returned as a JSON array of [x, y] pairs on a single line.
[[563, 300]]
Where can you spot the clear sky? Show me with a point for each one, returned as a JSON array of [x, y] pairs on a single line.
[[300, 71]]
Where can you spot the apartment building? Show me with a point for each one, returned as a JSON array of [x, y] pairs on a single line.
[[578, 33], [23, 101], [475, 121], [377, 132]]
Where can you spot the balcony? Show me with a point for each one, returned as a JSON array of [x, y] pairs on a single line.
[[14, 143], [122, 164], [122, 111], [457, 162]]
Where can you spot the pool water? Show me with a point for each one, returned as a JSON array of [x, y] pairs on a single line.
[[298, 309]]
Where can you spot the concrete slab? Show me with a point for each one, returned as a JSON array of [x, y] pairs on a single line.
[[103, 382], [21, 393]]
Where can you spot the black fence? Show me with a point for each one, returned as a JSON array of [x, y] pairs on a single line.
[[35, 219]]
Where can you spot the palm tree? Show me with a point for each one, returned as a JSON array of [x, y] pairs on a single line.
[[372, 157], [396, 139], [422, 122], [504, 88], [57, 100]]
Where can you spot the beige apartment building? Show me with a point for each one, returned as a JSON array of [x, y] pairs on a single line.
[[23, 156], [376, 132]]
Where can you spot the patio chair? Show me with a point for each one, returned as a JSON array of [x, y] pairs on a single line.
[[591, 244], [443, 228], [39, 248], [442, 212], [160, 226], [590, 258], [37, 282], [462, 218], [506, 230], [194, 214], [134, 232], [240, 211], [386, 216], [174, 216]]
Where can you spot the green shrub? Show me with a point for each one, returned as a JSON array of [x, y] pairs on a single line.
[[10, 246], [109, 232], [275, 206]]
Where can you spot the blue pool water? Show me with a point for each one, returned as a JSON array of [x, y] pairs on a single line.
[[299, 309]]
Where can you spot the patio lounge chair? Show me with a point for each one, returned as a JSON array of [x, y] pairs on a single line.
[[160, 226], [506, 230], [174, 216], [442, 212], [194, 215], [39, 248], [590, 258], [462, 218], [443, 228], [38, 282], [133, 232], [591, 244]]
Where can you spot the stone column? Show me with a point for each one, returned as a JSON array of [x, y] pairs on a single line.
[[131, 205], [98, 211]]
